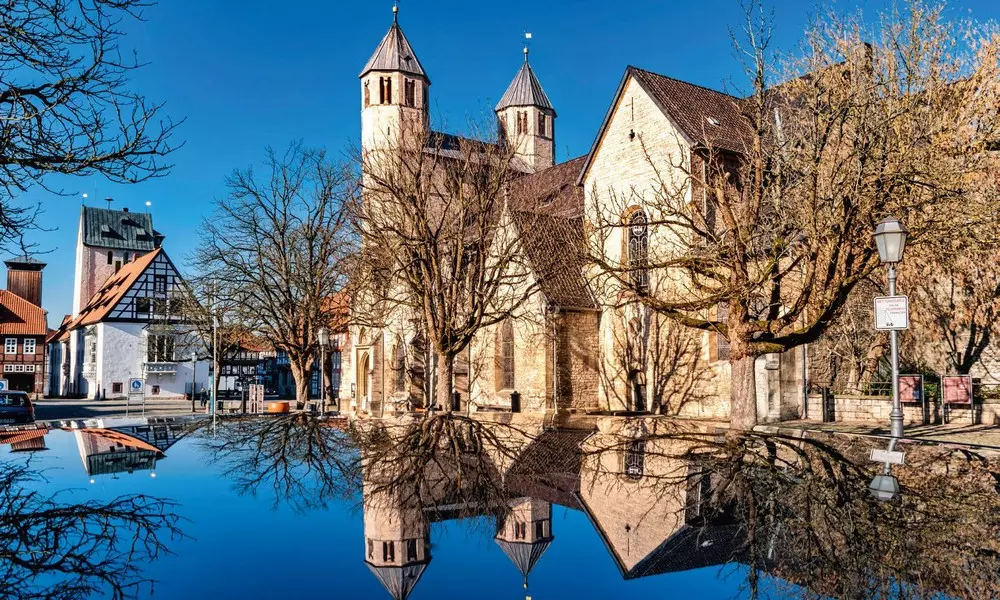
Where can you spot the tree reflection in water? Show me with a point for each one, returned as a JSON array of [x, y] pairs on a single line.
[[792, 517], [56, 549]]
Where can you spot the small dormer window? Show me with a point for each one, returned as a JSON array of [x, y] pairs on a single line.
[[542, 125], [411, 93]]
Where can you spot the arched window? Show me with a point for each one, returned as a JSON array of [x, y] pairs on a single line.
[[541, 125], [411, 93], [381, 90], [399, 368], [388, 90], [635, 459], [111, 257], [638, 251], [506, 353], [368, 95]]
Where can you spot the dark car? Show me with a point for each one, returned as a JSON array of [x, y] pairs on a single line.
[[16, 407]]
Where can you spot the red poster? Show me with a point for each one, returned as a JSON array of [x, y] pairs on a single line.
[[911, 388], [957, 389]]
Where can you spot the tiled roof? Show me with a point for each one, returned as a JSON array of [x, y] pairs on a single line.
[[525, 90], [706, 116], [552, 191], [62, 333], [394, 53], [555, 249], [118, 229], [20, 317], [114, 290]]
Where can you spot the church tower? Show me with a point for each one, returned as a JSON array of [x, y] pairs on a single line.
[[394, 92], [527, 119]]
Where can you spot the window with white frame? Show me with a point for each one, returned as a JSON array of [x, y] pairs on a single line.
[[29, 345], [10, 346]]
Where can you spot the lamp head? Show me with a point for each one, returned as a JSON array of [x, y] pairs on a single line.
[[323, 335], [890, 239]]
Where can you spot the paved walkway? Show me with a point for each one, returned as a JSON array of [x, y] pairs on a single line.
[[987, 436], [58, 409]]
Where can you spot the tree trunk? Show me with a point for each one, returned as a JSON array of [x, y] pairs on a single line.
[[743, 394], [443, 386], [300, 375]]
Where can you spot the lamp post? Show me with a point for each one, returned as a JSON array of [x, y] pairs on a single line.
[[890, 239], [323, 335], [194, 373]]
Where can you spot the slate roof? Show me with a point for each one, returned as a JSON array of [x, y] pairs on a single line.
[[552, 191], [114, 290], [693, 548], [525, 90], [20, 317], [524, 555], [394, 53], [118, 229], [24, 262], [707, 116], [399, 581], [555, 250]]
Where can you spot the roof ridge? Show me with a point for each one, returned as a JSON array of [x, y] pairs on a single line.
[[697, 85]]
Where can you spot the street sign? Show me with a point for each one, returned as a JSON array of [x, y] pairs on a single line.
[[135, 387], [892, 313], [3, 385], [891, 457]]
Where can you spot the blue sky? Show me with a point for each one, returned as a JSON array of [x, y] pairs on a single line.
[[254, 73]]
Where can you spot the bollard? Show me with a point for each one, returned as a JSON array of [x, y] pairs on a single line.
[[515, 402]]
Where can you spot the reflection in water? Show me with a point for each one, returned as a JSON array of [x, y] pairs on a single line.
[[25, 438], [786, 517], [114, 447], [54, 547]]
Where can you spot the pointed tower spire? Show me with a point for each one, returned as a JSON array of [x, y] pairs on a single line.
[[527, 118], [394, 53]]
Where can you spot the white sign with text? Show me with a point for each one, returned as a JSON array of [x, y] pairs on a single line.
[[892, 313]]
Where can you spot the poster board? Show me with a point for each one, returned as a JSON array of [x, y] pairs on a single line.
[[911, 389], [956, 389]]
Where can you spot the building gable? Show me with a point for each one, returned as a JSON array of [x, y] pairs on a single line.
[[117, 229]]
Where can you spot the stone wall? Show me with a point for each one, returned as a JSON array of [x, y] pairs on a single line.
[[578, 373], [876, 409]]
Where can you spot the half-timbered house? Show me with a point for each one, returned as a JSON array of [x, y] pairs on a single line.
[[132, 329]]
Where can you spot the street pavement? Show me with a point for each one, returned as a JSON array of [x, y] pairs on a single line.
[[58, 409]]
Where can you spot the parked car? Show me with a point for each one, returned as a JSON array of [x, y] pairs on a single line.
[[16, 407]]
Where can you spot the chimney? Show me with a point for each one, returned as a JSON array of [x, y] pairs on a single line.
[[24, 278]]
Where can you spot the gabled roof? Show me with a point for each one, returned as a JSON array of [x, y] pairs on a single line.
[[551, 191], [555, 251], [705, 116], [114, 290], [62, 333], [394, 53], [118, 229], [20, 317], [525, 90]]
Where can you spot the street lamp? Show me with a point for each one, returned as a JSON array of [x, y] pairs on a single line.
[[323, 335], [194, 373], [890, 239]]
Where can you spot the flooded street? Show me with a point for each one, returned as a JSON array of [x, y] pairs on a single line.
[[453, 507]]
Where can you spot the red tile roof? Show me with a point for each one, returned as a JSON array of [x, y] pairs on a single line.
[[551, 191], [114, 290], [20, 317], [62, 333]]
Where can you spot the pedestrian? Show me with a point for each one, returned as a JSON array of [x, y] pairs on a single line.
[[204, 397]]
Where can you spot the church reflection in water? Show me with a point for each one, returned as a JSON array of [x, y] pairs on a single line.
[[789, 514]]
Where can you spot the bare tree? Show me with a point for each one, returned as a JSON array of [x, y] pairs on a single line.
[[53, 549], [276, 249], [65, 102], [765, 245], [441, 247]]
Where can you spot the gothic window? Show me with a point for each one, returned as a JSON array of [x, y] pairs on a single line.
[[506, 352], [635, 459], [541, 125], [111, 257], [399, 368], [638, 252], [368, 95], [411, 93], [721, 342]]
